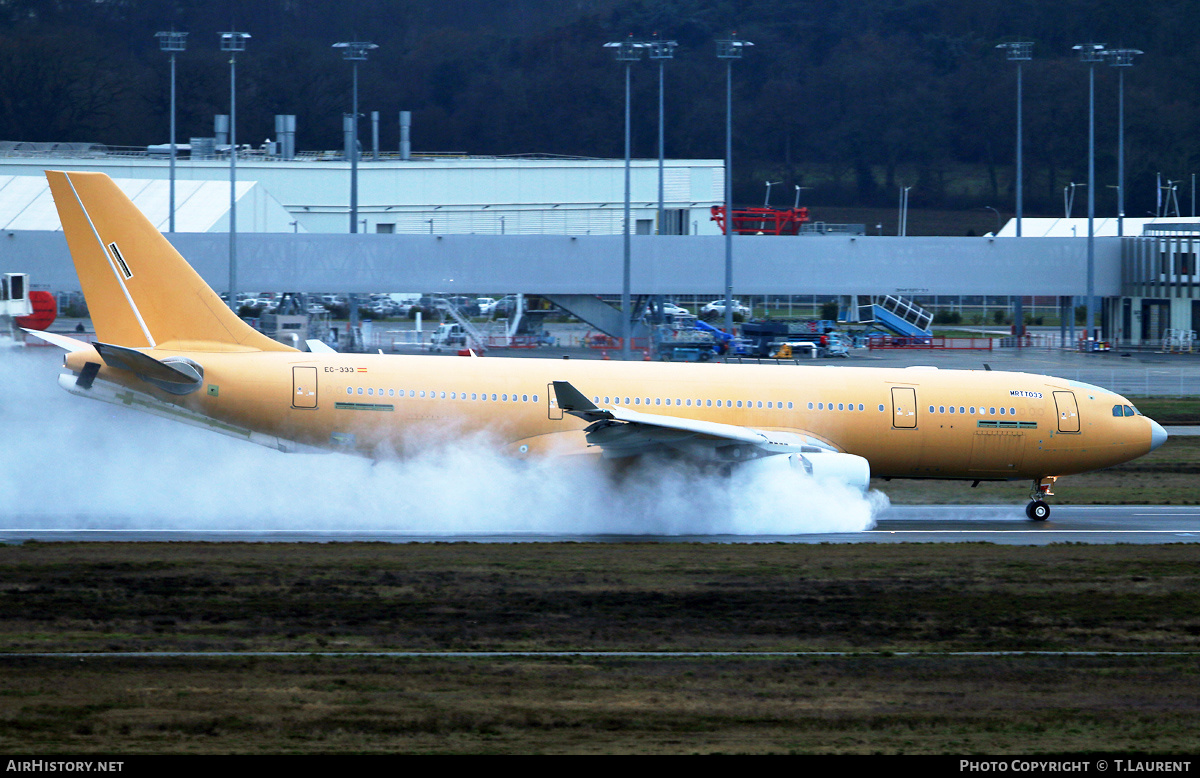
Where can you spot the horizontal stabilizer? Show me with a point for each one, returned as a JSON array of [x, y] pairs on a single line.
[[62, 341], [319, 347], [176, 375]]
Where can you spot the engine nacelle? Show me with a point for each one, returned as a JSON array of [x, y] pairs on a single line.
[[849, 469]]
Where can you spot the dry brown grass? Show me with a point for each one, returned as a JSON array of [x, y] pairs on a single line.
[[931, 704], [574, 596]]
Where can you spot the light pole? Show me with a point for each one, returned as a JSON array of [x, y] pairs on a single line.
[[993, 210], [767, 199], [662, 51], [1018, 52], [798, 190], [354, 52], [627, 51], [902, 228], [1121, 59], [233, 42], [1090, 54], [172, 42], [1069, 199], [729, 49]]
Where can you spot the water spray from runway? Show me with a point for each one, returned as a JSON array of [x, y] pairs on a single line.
[[70, 463]]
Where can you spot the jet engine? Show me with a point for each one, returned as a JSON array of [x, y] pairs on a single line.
[[849, 469]]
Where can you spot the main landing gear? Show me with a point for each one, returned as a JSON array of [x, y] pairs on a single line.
[[1038, 509]]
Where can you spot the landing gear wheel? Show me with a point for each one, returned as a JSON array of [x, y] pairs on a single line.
[[1037, 510]]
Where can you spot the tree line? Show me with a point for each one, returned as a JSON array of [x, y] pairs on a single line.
[[850, 100]]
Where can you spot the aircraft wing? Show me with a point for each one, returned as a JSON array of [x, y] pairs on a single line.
[[622, 432]]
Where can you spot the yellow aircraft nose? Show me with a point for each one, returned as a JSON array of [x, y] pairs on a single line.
[[1158, 435]]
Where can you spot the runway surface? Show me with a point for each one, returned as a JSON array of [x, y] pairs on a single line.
[[1005, 524]]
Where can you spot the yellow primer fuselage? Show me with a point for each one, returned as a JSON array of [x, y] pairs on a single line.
[[914, 422]]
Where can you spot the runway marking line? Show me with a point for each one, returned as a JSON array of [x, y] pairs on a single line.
[[1023, 531]]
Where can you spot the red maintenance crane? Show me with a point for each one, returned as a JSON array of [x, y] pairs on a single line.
[[762, 221]]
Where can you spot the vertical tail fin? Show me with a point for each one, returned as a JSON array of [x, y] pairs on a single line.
[[140, 291]]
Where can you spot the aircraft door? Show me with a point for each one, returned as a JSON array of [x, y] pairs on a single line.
[[553, 412], [304, 387], [1068, 411], [904, 407]]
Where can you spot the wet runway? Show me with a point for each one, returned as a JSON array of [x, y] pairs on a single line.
[[1003, 524]]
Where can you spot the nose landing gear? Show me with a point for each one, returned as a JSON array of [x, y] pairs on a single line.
[[1038, 509]]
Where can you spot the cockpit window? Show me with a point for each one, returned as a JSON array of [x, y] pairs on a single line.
[[1131, 411], [1118, 410], [1125, 410]]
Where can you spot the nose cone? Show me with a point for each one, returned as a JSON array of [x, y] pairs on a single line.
[[1158, 435]]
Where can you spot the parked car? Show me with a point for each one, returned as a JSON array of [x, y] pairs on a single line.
[[486, 304], [671, 309], [427, 306], [505, 306], [717, 307], [464, 305]]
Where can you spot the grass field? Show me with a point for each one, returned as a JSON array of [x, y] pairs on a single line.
[[868, 600]]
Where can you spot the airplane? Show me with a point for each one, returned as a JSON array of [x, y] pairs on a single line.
[[168, 345]]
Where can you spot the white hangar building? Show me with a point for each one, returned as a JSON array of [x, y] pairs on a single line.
[[427, 194]]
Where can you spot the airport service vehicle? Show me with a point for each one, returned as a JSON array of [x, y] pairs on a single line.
[[22, 308], [448, 335], [167, 345]]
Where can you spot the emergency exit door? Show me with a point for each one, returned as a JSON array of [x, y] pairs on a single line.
[[1068, 411], [904, 407], [304, 387]]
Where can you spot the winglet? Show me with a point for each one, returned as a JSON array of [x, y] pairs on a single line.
[[571, 399]]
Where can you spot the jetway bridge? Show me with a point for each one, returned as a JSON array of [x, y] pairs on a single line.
[[557, 265]]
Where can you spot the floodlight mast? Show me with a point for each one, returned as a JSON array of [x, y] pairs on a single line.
[[1121, 59], [1090, 54], [354, 52], [627, 51], [662, 51], [172, 42], [729, 49], [1018, 52], [233, 42]]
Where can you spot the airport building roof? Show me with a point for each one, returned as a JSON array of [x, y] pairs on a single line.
[[200, 206], [1077, 227], [449, 194]]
